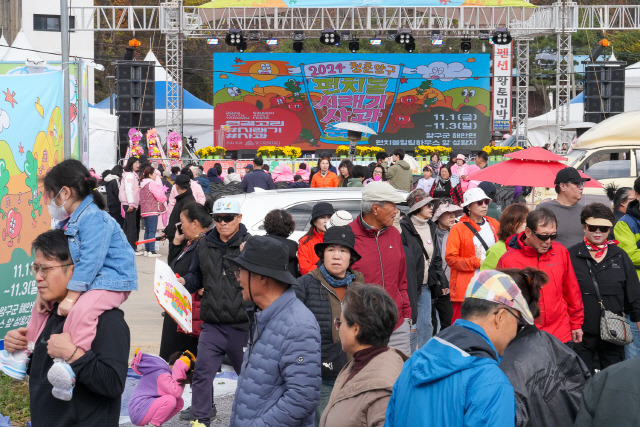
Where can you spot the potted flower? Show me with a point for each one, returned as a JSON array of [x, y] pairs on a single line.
[[295, 153], [373, 151], [266, 151], [219, 152], [362, 151], [342, 151], [278, 152]]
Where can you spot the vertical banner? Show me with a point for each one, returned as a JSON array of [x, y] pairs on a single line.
[[30, 144], [501, 86]]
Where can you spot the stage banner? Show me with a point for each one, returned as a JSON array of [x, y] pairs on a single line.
[[31, 143], [296, 99], [501, 90]]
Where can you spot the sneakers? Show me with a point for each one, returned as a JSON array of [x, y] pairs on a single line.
[[14, 364], [187, 414], [139, 252], [62, 378], [152, 254]]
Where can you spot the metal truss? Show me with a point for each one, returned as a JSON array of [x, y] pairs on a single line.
[[171, 21], [563, 76], [522, 88]]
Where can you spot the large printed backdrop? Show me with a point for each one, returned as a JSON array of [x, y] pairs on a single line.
[[296, 99]]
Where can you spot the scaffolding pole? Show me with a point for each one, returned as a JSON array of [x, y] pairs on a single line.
[[172, 24], [563, 77], [522, 88]]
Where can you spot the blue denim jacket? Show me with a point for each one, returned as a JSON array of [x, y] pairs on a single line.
[[102, 256]]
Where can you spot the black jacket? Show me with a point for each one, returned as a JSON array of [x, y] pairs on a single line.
[[316, 296], [292, 247], [101, 374], [222, 302], [412, 240], [547, 376], [113, 192], [257, 178], [617, 281]]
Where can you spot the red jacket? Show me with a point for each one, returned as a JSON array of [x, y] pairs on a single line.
[[307, 258], [561, 309], [383, 263]]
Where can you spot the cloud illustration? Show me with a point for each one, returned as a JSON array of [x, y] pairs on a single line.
[[441, 71], [4, 120]]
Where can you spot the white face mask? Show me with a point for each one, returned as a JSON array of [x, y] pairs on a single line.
[[58, 213]]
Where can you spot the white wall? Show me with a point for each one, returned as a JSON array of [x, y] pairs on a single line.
[[81, 42]]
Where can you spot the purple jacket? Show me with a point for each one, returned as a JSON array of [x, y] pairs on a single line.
[[157, 380]]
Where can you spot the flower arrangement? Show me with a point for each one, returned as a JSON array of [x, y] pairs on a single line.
[[375, 150], [219, 151], [134, 142], [270, 151], [174, 145], [427, 150], [363, 150], [153, 147], [499, 151], [342, 150], [292, 152]]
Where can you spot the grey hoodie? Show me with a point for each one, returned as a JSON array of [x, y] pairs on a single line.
[[400, 175]]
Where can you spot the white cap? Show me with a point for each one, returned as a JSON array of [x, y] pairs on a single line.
[[474, 195], [339, 218], [226, 205]]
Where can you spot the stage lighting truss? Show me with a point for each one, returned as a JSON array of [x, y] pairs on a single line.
[[330, 38]]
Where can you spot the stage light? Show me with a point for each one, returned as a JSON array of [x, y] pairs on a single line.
[[501, 36], [330, 38], [345, 36], [234, 37], [436, 38], [298, 36], [391, 35], [254, 35], [354, 45], [272, 42], [484, 35], [375, 42], [410, 47], [465, 45], [242, 46], [213, 40], [298, 46], [404, 37]]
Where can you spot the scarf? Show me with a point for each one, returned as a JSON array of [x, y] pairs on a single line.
[[336, 283], [599, 248], [441, 185]]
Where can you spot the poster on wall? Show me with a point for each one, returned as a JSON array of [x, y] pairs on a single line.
[[27, 152], [296, 99]]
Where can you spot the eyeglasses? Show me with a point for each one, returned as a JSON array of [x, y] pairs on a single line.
[[35, 269], [578, 184], [521, 323], [484, 202], [225, 218], [337, 322], [237, 273], [545, 237], [602, 228]]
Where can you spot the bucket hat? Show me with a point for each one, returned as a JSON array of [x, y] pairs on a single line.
[[321, 209], [265, 256], [417, 199], [340, 218], [474, 195], [340, 235], [461, 157], [381, 191], [446, 207]]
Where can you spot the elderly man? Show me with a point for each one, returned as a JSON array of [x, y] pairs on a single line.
[[454, 380], [225, 327], [569, 185], [100, 372], [280, 380], [561, 309], [383, 261], [258, 178]]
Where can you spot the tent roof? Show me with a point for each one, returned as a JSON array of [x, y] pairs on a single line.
[[21, 50], [189, 101], [161, 73], [4, 46], [613, 131]]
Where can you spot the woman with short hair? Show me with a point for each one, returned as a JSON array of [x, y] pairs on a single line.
[[320, 216], [447, 186], [324, 177], [279, 224], [345, 172], [363, 387]]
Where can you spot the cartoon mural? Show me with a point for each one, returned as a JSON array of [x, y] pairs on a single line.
[[30, 144], [432, 99]]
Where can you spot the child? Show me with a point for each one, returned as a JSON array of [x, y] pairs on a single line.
[[104, 267], [158, 396]]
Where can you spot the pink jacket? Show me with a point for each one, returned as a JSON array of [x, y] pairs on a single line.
[[304, 173], [282, 173], [196, 189], [152, 198], [130, 189]]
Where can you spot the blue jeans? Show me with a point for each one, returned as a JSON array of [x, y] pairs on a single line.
[[150, 228], [425, 325], [325, 394], [633, 349]]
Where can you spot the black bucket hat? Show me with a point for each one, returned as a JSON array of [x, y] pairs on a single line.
[[266, 256], [342, 236], [321, 209]]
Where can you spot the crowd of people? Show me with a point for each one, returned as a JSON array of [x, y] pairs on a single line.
[[452, 311]]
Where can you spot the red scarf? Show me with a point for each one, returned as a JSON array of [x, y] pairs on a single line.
[[599, 248]]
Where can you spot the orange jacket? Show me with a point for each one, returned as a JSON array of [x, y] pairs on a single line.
[[307, 258], [461, 255], [329, 180]]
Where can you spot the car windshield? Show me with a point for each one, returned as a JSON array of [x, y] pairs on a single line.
[[575, 156]]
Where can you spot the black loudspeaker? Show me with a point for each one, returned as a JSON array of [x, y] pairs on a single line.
[[603, 90], [135, 102], [247, 154]]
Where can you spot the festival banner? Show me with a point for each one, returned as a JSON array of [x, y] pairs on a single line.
[[31, 143], [501, 90], [172, 296], [408, 99]]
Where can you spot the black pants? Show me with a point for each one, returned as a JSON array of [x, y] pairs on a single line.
[[173, 341], [608, 353], [130, 227], [118, 217], [441, 308]]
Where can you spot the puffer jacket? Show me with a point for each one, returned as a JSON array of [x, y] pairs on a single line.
[[319, 297], [280, 380], [383, 262], [561, 309], [363, 400], [329, 180], [627, 233], [453, 380], [222, 302], [112, 185], [617, 282], [307, 258], [152, 198], [400, 175], [129, 193], [461, 256], [180, 265], [548, 378]]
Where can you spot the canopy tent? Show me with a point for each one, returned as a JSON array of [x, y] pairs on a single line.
[[21, 50], [103, 140], [4, 46], [197, 114]]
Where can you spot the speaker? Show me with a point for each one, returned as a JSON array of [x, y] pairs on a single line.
[[135, 103], [603, 90], [247, 154]]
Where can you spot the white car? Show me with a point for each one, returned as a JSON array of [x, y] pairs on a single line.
[[299, 203]]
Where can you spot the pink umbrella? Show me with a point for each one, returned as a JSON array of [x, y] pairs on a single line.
[[537, 154]]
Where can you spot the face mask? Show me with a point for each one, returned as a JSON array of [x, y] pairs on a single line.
[[58, 213], [377, 178]]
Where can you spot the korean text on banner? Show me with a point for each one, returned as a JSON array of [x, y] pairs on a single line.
[[502, 70], [172, 296]]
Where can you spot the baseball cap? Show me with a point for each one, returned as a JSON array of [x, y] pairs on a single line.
[[569, 175], [473, 195], [381, 191], [339, 219], [249, 167], [182, 181], [494, 286], [226, 205]]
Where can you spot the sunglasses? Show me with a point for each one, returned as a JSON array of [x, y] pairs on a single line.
[[225, 218], [545, 237], [484, 202], [602, 228], [521, 323]]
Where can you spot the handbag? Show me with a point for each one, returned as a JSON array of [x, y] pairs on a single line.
[[613, 328]]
